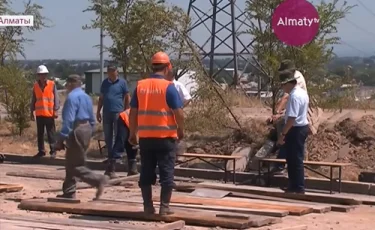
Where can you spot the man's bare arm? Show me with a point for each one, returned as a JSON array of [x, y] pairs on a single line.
[[133, 121], [280, 106], [100, 103], [186, 103], [127, 101], [179, 116]]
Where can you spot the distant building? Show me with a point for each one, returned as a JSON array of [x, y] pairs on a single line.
[[93, 80]]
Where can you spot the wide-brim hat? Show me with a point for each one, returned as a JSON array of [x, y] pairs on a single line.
[[287, 64], [288, 75]]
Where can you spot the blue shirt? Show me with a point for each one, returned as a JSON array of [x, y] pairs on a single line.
[[172, 96], [77, 107], [297, 106], [113, 95]]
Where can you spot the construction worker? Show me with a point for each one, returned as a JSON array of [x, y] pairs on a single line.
[[45, 102], [78, 124], [295, 131], [156, 114], [114, 99], [121, 144]]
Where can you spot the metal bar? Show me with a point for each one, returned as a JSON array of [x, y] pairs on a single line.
[[234, 40], [225, 171], [340, 172], [234, 171], [331, 177], [213, 31]]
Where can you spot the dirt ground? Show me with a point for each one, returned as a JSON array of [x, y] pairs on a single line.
[[349, 140], [359, 219]]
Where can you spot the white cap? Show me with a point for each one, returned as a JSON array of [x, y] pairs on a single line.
[[42, 69]]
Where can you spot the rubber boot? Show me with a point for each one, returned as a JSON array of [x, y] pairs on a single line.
[[132, 167], [111, 168], [165, 198], [148, 205]]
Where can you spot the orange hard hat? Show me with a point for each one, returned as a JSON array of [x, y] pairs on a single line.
[[161, 58]]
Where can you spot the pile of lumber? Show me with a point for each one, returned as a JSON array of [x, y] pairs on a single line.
[[10, 187]]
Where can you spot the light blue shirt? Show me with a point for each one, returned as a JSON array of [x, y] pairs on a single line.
[[297, 106], [77, 107]]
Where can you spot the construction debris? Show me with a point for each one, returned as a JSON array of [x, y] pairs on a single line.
[[10, 188]]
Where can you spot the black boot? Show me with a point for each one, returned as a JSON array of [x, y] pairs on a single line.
[[165, 198], [111, 170], [132, 167], [148, 205]]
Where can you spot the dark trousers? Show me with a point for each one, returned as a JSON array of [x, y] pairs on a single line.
[[159, 152], [122, 143], [47, 123], [110, 130], [295, 149], [76, 147]]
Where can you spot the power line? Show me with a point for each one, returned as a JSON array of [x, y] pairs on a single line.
[[353, 47], [366, 8], [372, 34]]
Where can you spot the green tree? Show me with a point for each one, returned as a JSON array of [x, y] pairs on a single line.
[[310, 59], [15, 97], [138, 29], [12, 38]]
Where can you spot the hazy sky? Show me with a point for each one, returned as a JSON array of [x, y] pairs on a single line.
[[66, 39]]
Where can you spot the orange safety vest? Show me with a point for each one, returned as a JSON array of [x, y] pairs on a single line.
[[155, 118], [125, 117], [44, 99]]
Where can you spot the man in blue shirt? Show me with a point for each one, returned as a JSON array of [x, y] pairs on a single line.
[[295, 131], [77, 127], [114, 98]]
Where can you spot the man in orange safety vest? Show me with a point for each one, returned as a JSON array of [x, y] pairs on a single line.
[[156, 115], [45, 103]]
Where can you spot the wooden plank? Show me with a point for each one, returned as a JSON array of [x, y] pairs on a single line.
[[44, 175], [316, 208], [298, 227], [177, 225], [133, 212], [298, 211], [10, 187], [212, 156], [314, 197], [334, 207], [71, 222], [262, 212], [209, 193], [64, 200], [111, 183], [317, 163]]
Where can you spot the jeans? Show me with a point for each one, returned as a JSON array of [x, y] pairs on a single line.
[[295, 148], [110, 130], [159, 152], [122, 143], [47, 123]]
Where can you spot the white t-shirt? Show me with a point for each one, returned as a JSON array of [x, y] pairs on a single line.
[[301, 80], [297, 106], [182, 91]]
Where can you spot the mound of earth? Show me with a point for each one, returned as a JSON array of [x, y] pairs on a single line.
[[346, 141]]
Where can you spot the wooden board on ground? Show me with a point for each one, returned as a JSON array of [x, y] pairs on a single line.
[[48, 175], [69, 223], [316, 208], [334, 207], [133, 212], [10, 187], [177, 225], [293, 210], [298, 227], [113, 182], [262, 212], [313, 197]]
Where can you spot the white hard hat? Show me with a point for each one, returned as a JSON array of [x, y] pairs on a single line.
[[42, 69]]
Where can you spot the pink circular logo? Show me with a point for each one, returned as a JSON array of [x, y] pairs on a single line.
[[295, 22]]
